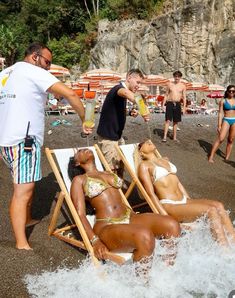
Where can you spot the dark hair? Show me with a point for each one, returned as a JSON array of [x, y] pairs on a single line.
[[177, 73], [135, 71], [140, 145], [227, 90], [74, 170], [35, 47]]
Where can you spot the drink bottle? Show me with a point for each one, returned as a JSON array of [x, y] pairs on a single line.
[[90, 111], [142, 107]]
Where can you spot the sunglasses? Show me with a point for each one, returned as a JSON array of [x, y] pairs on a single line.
[[48, 62], [231, 91]]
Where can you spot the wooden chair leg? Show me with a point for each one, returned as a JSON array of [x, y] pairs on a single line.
[[56, 213]]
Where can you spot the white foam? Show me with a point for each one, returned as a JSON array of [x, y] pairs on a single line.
[[202, 269]]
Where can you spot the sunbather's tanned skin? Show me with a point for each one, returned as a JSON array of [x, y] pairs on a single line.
[[137, 236], [226, 123], [161, 183]]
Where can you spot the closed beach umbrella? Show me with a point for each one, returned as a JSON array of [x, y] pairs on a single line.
[[101, 74], [59, 71]]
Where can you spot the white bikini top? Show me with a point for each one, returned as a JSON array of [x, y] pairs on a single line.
[[160, 172]]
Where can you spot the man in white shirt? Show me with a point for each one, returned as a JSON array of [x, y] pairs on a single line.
[[23, 92]]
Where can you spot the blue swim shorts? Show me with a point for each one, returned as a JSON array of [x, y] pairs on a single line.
[[25, 166]]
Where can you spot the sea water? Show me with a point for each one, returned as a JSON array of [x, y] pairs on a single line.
[[202, 269]]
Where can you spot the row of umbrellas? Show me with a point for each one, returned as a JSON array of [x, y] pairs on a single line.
[[102, 80]]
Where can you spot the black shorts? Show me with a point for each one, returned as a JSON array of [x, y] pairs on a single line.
[[173, 111]]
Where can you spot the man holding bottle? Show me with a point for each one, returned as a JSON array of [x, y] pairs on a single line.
[[113, 117]]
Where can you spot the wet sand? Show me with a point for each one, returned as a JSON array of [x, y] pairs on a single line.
[[200, 178]]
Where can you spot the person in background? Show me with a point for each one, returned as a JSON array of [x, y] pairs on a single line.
[[23, 93], [113, 118], [226, 123], [175, 92]]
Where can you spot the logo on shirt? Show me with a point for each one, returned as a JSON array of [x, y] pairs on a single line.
[[5, 78]]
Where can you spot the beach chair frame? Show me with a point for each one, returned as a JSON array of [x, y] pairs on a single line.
[[135, 181], [64, 197]]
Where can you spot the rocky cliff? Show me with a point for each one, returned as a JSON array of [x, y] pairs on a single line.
[[194, 36]]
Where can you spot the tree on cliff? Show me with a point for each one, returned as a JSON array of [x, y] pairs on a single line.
[[69, 27]]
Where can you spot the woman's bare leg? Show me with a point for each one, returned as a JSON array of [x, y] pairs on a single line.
[[196, 208], [225, 219], [162, 226], [219, 140], [128, 238], [231, 137]]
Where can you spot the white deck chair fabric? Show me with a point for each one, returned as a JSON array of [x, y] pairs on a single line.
[[128, 151], [63, 156]]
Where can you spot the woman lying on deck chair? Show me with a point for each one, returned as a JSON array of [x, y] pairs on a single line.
[[158, 176], [117, 228]]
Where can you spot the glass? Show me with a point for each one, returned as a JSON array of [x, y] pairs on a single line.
[[48, 62]]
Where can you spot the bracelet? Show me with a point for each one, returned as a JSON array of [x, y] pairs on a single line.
[[94, 239]]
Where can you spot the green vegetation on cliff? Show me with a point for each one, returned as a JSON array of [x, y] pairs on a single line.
[[68, 27]]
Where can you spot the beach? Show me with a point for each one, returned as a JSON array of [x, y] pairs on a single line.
[[201, 179]]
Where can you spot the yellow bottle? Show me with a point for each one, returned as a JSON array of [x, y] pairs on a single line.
[[90, 113], [142, 107]]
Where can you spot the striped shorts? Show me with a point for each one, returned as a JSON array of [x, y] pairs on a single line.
[[25, 166]]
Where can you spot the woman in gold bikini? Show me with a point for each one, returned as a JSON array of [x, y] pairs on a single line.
[[117, 228], [158, 176]]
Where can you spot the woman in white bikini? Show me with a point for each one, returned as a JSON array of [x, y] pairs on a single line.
[[117, 227], [159, 179]]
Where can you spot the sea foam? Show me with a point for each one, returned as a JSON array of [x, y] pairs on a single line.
[[202, 269]]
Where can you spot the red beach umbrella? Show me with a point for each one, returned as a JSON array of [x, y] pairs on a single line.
[[215, 94]]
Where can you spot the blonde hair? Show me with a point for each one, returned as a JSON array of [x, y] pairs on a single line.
[[138, 158]]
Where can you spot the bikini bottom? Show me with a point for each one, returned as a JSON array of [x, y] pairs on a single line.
[[173, 202], [229, 120], [125, 219]]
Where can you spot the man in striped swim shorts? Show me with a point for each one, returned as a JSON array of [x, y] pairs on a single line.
[[24, 87]]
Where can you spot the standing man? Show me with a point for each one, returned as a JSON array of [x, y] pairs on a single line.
[[175, 92], [23, 93], [113, 117]]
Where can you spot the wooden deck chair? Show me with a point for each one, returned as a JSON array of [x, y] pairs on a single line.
[[59, 160], [126, 154]]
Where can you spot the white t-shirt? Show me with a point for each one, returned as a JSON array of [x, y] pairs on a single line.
[[23, 96]]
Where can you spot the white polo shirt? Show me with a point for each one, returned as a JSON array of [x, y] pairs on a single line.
[[23, 96]]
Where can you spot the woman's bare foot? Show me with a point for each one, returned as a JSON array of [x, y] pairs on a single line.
[[211, 160]]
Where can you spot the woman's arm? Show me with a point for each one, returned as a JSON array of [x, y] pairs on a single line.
[[145, 178], [183, 190], [78, 199], [220, 115]]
